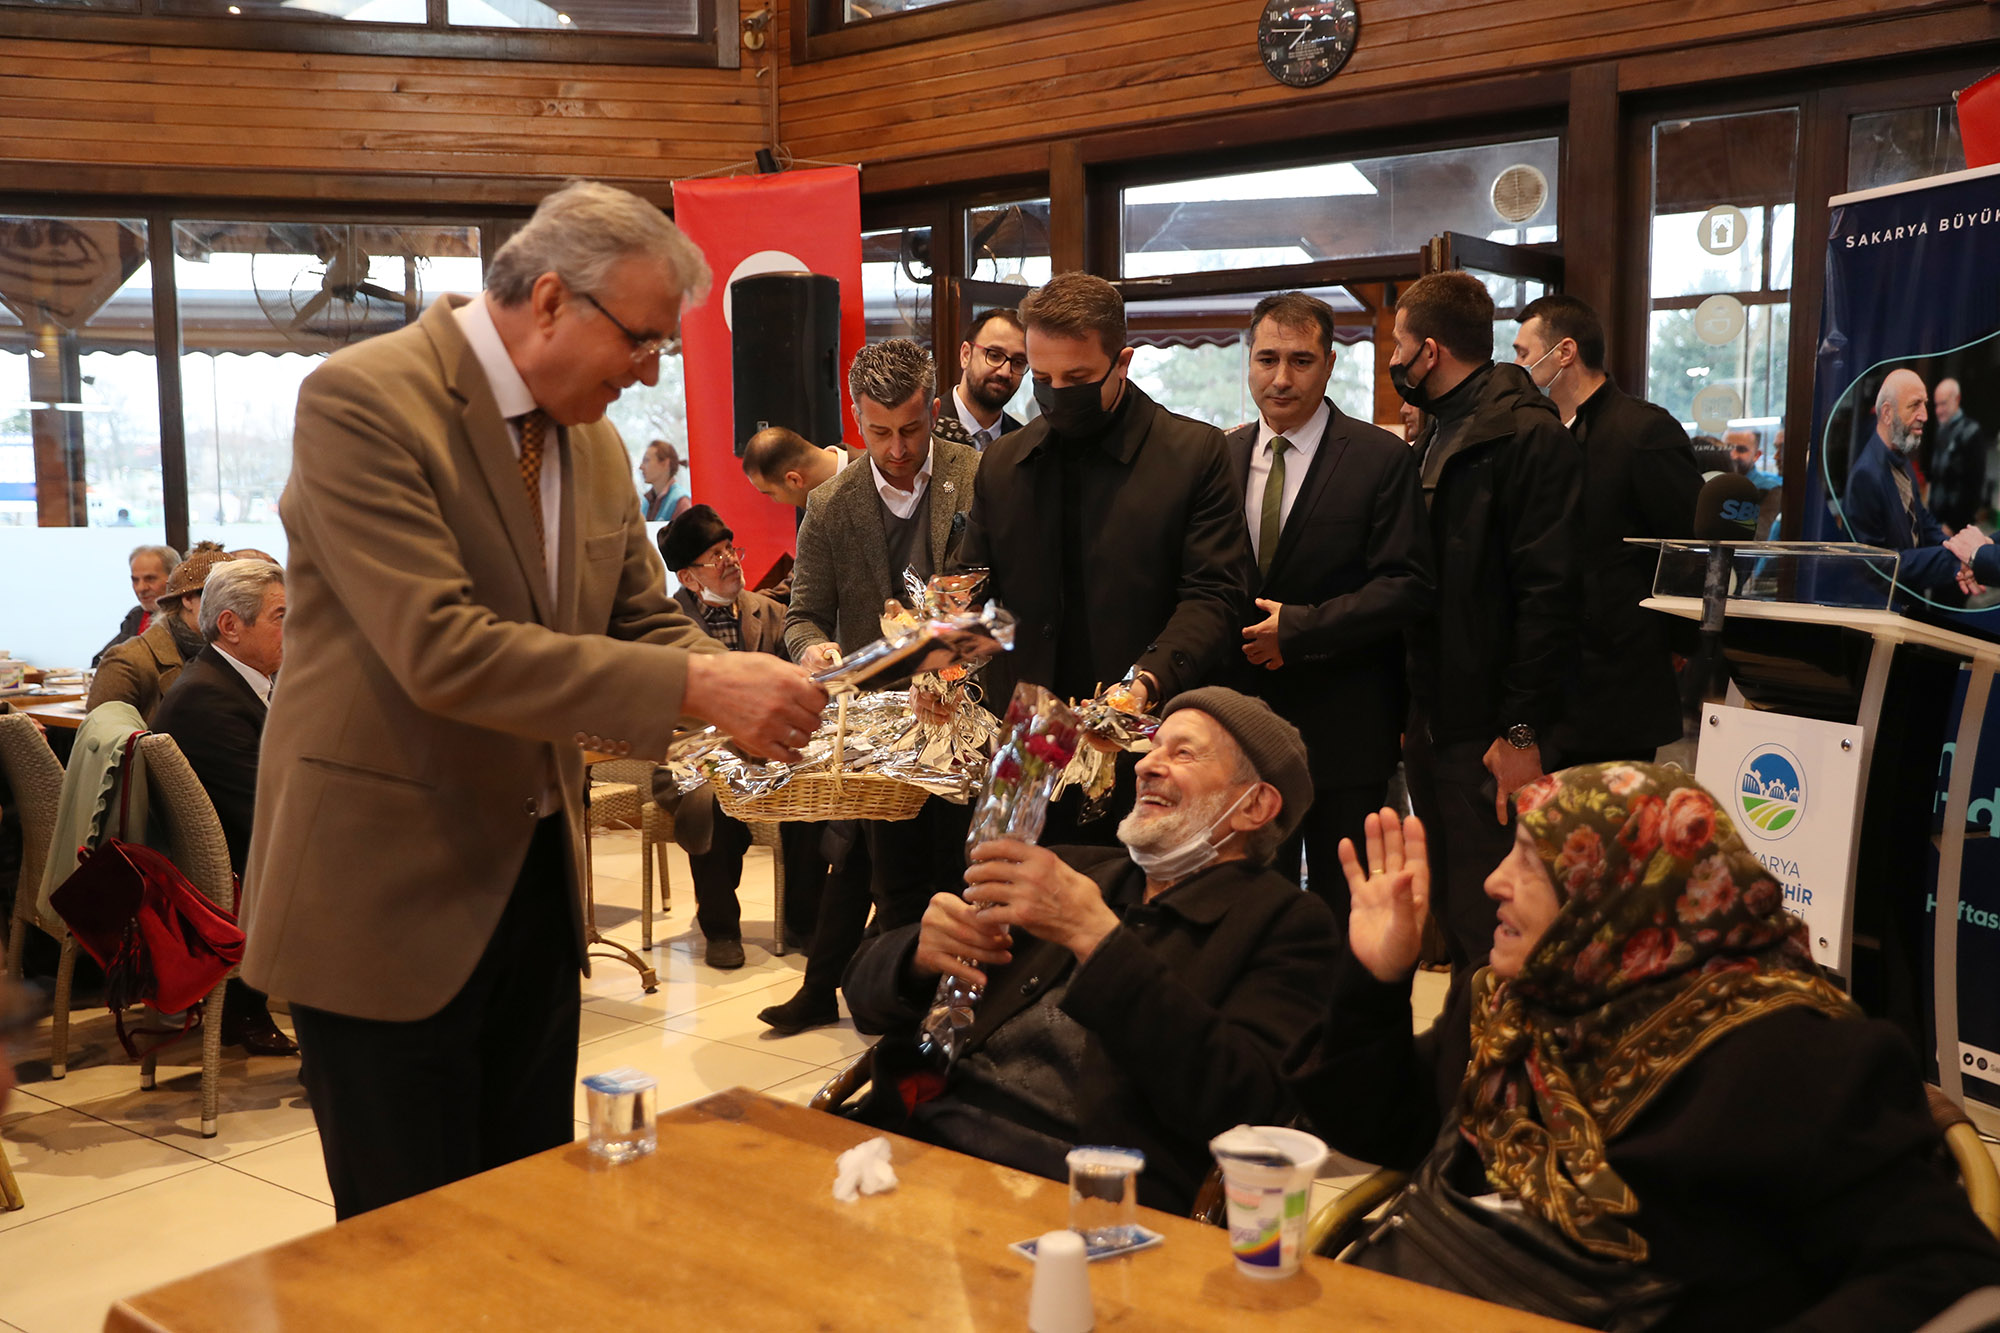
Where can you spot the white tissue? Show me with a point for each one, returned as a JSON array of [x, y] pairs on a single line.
[[863, 1169]]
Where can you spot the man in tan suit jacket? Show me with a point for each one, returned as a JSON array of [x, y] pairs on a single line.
[[474, 603]]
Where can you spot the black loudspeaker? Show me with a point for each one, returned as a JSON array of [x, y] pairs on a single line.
[[785, 347]]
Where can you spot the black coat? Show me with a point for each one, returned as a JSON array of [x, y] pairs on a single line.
[[1190, 1006], [1788, 1176], [128, 628], [218, 722], [1166, 565], [1503, 497], [1353, 573], [1958, 471], [1639, 480]]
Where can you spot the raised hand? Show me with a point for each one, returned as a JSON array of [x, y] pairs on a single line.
[[1385, 924]]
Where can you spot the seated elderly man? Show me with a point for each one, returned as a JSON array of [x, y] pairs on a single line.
[[140, 671], [151, 567], [1149, 993]]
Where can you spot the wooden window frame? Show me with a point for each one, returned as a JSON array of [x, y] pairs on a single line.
[[160, 215], [716, 47], [819, 32]]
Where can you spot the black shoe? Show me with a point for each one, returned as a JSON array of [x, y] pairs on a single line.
[[802, 1011], [724, 954], [258, 1035]]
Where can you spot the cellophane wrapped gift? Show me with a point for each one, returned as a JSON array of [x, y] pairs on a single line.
[[1110, 723], [1041, 739]]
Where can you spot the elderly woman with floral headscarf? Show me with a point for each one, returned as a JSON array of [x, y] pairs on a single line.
[[1650, 1110]]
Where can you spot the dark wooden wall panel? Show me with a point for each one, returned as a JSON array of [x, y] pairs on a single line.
[[1154, 61], [509, 129]]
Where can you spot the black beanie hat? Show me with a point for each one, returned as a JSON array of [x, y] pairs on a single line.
[[683, 540]]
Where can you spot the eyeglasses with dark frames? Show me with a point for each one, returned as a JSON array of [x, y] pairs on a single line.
[[995, 358]]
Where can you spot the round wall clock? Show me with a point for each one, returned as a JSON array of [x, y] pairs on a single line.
[[1304, 42]]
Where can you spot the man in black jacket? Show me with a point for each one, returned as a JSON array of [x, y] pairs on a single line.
[[1147, 996], [215, 712], [1639, 480], [1490, 675], [1113, 528], [1343, 548]]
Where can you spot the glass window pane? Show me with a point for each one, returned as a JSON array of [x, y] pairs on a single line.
[[1723, 228], [897, 283], [1192, 355], [1369, 206], [359, 11], [79, 430], [1009, 243], [674, 18], [858, 10], [262, 303], [1890, 147]]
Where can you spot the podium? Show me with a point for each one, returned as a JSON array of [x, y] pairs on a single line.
[[1903, 704]]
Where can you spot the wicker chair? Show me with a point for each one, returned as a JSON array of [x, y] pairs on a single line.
[[179, 806], [766, 834], [621, 792], [36, 777]]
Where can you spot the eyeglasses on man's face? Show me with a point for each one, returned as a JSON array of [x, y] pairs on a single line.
[[643, 348], [727, 556], [995, 358]]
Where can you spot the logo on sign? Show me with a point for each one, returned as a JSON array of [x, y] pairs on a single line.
[[1771, 790]]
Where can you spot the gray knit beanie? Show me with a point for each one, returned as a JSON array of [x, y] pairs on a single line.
[[1272, 745]]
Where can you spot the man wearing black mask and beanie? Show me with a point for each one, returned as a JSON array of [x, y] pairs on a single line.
[[1490, 674], [1113, 529]]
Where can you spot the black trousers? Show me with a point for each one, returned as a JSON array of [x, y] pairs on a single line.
[[844, 903], [916, 858], [1337, 812], [717, 872], [1452, 793], [806, 867], [488, 1079]]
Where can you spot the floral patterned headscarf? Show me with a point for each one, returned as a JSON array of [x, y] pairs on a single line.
[[1670, 936]]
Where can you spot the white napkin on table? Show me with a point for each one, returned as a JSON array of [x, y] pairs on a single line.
[[863, 1169]]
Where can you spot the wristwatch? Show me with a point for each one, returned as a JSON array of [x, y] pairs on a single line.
[[1521, 736]]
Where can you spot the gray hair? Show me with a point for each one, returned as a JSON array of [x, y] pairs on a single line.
[[581, 232], [890, 372], [236, 585], [170, 559]]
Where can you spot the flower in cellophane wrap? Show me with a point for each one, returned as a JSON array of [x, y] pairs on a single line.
[[1041, 739], [1110, 723]]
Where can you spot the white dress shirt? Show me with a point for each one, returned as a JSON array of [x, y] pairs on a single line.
[[903, 503], [981, 435], [511, 395], [1298, 459], [260, 684]]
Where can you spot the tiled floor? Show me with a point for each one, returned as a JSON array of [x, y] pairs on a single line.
[[123, 1193]]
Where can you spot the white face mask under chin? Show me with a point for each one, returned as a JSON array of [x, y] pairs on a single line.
[[710, 599], [1194, 853]]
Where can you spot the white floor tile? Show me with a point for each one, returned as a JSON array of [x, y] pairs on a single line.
[[734, 1020], [64, 1159], [687, 1067], [21, 1105], [685, 984], [262, 1103], [137, 1240], [800, 1090], [296, 1164]]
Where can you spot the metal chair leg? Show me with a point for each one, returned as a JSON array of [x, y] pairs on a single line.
[[646, 817], [777, 890], [595, 941], [211, 1060]]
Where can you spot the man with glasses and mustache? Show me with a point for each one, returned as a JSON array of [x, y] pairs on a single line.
[[995, 357], [474, 602]]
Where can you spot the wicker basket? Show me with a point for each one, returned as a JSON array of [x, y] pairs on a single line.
[[829, 795]]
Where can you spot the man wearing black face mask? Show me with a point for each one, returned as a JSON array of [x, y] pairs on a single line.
[[1491, 674], [1113, 527]]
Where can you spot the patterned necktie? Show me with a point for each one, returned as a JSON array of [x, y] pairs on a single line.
[[1271, 521], [1904, 490], [534, 430]]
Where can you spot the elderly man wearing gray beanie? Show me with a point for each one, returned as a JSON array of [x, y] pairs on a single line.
[[1143, 995]]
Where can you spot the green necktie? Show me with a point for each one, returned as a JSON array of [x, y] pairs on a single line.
[[1272, 519]]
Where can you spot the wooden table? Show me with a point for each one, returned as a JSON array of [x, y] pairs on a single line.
[[67, 714], [732, 1225]]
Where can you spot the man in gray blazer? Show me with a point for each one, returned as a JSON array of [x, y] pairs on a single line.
[[905, 509]]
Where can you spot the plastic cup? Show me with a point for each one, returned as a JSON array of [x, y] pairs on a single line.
[[1104, 1194], [1267, 1199], [621, 1114], [1060, 1300]]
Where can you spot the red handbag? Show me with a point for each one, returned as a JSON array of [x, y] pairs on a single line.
[[159, 941]]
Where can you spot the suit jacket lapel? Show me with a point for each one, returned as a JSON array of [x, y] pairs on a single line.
[[1240, 442], [863, 518], [492, 445], [576, 474], [1325, 459]]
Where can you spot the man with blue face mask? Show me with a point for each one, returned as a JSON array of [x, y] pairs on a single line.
[[1143, 996], [1114, 528], [1639, 480]]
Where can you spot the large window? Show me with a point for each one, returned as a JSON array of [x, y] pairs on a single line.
[[1724, 219], [897, 281], [1192, 355], [1338, 210], [1890, 147]]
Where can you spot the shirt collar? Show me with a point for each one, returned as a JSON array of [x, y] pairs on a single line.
[[510, 391], [260, 684], [970, 422], [1303, 440], [897, 499]]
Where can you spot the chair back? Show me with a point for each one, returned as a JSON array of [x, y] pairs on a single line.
[[35, 777], [179, 805], [637, 772]]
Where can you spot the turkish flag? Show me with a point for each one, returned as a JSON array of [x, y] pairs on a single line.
[[785, 222]]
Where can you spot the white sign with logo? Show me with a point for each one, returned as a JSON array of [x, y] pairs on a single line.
[[1792, 788]]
